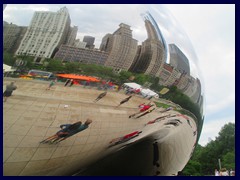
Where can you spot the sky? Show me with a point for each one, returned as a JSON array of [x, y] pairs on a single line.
[[206, 34]]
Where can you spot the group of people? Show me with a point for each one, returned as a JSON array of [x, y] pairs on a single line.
[[224, 172]]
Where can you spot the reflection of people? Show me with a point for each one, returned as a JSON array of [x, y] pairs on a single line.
[[143, 109], [71, 82], [100, 96], [67, 82], [51, 84], [125, 100], [124, 138], [9, 89], [167, 109], [67, 130]]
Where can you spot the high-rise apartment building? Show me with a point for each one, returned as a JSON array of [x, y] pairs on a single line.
[[12, 36], [90, 41], [152, 54], [121, 46], [46, 32], [178, 59], [72, 34]]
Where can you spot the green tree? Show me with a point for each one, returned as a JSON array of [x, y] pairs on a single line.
[[55, 66], [8, 58], [228, 160]]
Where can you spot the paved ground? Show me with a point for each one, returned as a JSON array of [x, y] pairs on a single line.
[[33, 113]]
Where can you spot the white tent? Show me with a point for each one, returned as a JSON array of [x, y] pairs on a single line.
[[132, 85], [149, 93], [7, 68], [144, 92]]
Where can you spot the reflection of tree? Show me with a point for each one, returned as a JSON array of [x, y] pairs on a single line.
[[176, 96]]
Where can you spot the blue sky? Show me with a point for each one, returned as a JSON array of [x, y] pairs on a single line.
[[210, 28]]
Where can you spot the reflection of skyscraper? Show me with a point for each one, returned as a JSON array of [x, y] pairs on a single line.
[[47, 31], [122, 48], [106, 41], [72, 34], [12, 36], [178, 59], [168, 75], [90, 41], [153, 52]]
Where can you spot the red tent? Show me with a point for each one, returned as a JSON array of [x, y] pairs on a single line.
[[80, 77]]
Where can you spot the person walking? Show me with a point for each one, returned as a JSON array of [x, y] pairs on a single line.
[[143, 109], [100, 96], [67, 82], [71, 82], [53, 82], [125, 100], [9, 90]]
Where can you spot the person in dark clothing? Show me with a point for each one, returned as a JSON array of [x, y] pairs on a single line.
[[9, 89], [67, 130], [100, 96], [67, 82], [125, 100], [71, 82]]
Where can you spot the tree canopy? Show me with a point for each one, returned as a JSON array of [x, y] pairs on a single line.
[[205, 159]]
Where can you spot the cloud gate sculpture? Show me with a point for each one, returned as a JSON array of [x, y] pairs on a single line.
[[130, 134]]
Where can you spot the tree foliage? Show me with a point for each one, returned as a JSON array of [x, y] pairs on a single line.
[[205, 159], [8, 58]]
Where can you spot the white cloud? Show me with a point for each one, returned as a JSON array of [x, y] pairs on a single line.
[[212, 128]]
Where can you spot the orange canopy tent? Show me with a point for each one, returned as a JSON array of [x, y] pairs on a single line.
[[80, 77]]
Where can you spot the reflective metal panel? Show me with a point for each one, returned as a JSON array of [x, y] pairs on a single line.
[[96, 128]]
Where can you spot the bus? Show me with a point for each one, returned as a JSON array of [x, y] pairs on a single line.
[[40, 74]]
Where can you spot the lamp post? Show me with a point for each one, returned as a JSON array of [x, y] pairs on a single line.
[[219, 162]]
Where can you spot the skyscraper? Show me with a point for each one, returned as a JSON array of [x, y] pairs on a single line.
[[72, 34], [153, 50], [90, 41], [12, 36], [121, 46], [46, 32], [178, 59]]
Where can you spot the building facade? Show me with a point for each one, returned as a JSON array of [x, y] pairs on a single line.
[[168, 75], [12, 36], [79, 44], [153, 51], [46, 32], [122, 48], [90, 41], [82, 55], [178, 59], [72, 34]]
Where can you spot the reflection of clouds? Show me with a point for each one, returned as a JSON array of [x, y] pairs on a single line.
[[174, 33]]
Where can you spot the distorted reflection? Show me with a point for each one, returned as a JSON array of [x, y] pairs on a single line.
[[143, 95]]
